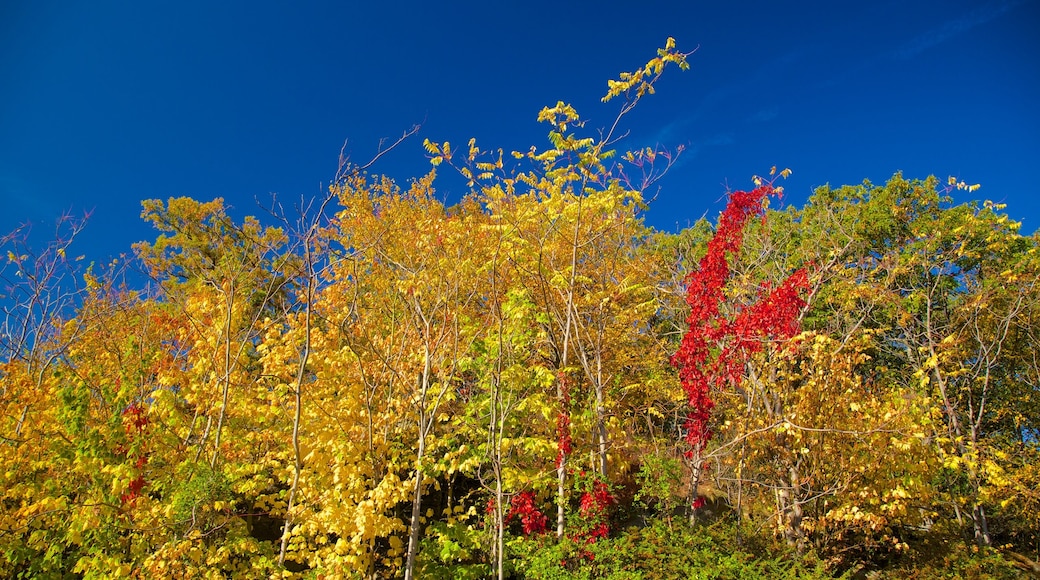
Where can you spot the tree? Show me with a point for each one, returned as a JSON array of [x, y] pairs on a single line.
[[224, 277], [966, 286], [39, 289], [715, 350], [576, 182]]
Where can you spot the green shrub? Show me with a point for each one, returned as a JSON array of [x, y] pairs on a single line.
[[655, 552]]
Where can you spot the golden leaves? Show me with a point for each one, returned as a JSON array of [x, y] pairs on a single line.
[[952, 182], [643, 79]]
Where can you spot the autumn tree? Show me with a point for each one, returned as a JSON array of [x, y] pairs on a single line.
[[716, 348], [224, 276], [965, 284], [587, 204], [799, 440], [391, 385]]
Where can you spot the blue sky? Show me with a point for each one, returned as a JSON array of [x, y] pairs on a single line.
[[106, 103]]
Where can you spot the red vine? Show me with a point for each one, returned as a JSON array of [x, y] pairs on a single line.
[[134, 423], [714, 350], [532, 520]]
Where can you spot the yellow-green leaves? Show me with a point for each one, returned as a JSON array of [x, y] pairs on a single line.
[[952, 181], [643, 79]]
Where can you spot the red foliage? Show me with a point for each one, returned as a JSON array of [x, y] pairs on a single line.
[[532, 519], [134, 419], [134, 423], [593, 508], [133, 491], [714, 350]]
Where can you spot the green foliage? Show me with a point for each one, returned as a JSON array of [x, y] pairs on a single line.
[[453, 550], [203, 499], [659, 480], [659, 552]]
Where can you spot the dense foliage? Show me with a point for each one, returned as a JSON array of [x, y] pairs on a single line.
[[530, 383]]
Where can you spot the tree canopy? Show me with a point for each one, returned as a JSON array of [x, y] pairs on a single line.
[[530, 382]]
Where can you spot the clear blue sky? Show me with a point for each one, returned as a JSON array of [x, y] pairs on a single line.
[[103, 104]]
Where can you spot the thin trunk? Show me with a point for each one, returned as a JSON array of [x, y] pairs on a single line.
[[981, 526], [204, 438], [561, 494], [601, 419], [298, 396], [789, 506], [695, 482], [21, 421], [500, 526], [495, 442], [740, 496], [598, 455], [561, 467], [497, 426], [413, 529], [227, 373], [783, 508], [957, 513], [793, 532]]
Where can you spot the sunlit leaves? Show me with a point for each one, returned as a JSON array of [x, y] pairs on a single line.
[[385, 386], [642, 80]]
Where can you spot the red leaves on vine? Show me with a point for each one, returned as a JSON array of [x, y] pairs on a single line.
[[593, 509], [714, 349], [593, 513], [532, 520], [134, 423]]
